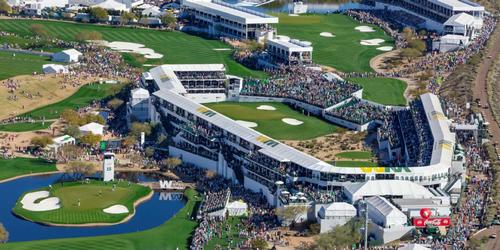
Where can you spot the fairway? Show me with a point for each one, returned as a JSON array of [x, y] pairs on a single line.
[[176, 47], [342, 52], [387, 91], [20, 166], [270, 123], [364, 155], [13, 64], [83, 97], [94, 197], [25, 126], [173, 234]]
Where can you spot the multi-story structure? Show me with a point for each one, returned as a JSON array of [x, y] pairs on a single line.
[[207, 139], [435, 12], [282, 50], [221, 19]]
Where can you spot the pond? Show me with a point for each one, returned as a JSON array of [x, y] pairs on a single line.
[[152, 213]]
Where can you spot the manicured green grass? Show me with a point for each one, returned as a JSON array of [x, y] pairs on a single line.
[[364, 155], [20, 64], [84, 96], [387, 91], [173, 234], [176, 47], [343, 51], [20, 166], [354, 164], [233, 234], [270, 123], [25, 126], [94, 197]]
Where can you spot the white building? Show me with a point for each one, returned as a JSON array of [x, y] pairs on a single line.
[[54, 69], [153, 11], [412, 207], [92, 128], [218, 18], [299, 8], [386, 188], [67, 56], [450, 43], [139, 105], [61, 141], [284, 50], [108, 167], [112, 5], [335, 214]]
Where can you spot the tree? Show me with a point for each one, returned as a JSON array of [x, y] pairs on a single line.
[[171, 163], [408, 33], [5, 8], [90, 139], [73, 130], [69, 152], [98, 13], [114, 103], [71, 117], [259, 243], [127, 17], [341, 237], [290, 213], [410, 53], [129, 141], [88, 118], [4, 234], [88, 35], [417, 44], [169, 20], [41, 141], [39, 30], [149, 151], [137, 128], [79, 169]]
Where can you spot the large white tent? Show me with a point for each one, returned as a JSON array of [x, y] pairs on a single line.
[[384, 214], [112, 5], [54, 69], [92, 128], [237, 208], [67, 56], [396, 188]]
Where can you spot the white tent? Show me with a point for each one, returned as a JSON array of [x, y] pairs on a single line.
[[384, 214], [67, 56], [237, 208], [61, 141], [413, 247], [153, 11], [112, 5], [92, 128], [54, 68]]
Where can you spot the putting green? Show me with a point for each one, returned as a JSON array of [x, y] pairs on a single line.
[[173, 234], [364, 155], [269, 122], [344, 51], [94, 197], [387, 91], [177, 47], [10, 168]]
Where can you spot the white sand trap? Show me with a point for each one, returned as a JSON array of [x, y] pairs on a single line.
[[266, 107], [247, 124], [364, 29], [326, 34], [385, 48], [222, 49], [293, 14], [133, 48], [48, 204], [291, 121], [116, 209], [372, 42]]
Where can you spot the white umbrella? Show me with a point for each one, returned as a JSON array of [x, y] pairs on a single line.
[[293, 198], [300, 194], [285, 192]]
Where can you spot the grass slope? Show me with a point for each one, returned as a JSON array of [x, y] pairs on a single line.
[[173, 234], [177, 47], [387, 91], [354, 164], [227, 235], [20, 64], [25, 126], [364, 155], [20, 166], [343, 51], [84, 96], [92, 203], [269, 122]]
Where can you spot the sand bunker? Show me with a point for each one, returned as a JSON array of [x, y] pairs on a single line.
[[116, 209], [133, 48], [222, 49], [326, 34], [32, 202], [385, 48], [372, 42], [247, 123], [364, 29], [291, 121], [291, 14], [266, 107]]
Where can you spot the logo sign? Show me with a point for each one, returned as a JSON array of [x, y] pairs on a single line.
[[164, 184], [434, 222], [168, 196]]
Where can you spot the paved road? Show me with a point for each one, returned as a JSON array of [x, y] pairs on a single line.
[[480, 91]]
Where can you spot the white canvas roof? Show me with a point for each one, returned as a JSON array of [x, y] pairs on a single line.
[[140, 93], [229, 11], [459, 5], [93, 127], [338, 209], [63, 139], [54, 68], [413, 247], [406, 189], [385, 211], [111, 5], [460, 20], [292, 45], [71, 52]]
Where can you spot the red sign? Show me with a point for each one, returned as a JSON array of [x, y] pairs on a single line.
[[435, 222]]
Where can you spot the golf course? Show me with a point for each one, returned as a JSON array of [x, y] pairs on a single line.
[[13, 64], [84, 203], [10, 168], [386, 91], [270, 122]]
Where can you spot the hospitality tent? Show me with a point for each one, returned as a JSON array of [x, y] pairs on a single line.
[[112, 5], [67, 56], [413, 247], [386, 188], [54, 69], [92, 128], [237, 208]]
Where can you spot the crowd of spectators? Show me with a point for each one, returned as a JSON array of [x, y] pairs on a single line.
[[301, 84], [359, 112]]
